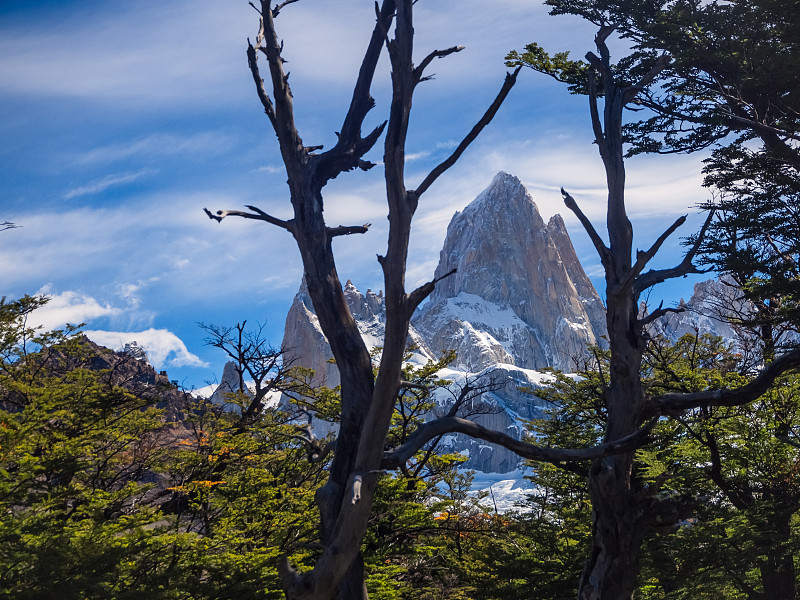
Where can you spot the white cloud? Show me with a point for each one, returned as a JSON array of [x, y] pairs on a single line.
[[164, 348], [69, 307], [100, 185]]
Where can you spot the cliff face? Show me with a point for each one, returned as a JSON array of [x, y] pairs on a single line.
[[519, 295], [304, 343], [519, 301]]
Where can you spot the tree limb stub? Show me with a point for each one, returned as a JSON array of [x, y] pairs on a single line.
[[510, 80], [257, 214], [348, 230], [668, 404], [427, 431]]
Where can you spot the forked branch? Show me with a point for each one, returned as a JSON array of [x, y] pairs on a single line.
[[651, 278], [642, 258], [658, 313]]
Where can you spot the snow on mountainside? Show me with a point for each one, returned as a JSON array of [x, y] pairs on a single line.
[[519, 294], [304, 343], [519, 301]]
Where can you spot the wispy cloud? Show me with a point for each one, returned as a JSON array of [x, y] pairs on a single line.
[[159, 145], [271, 169], [101, 185]]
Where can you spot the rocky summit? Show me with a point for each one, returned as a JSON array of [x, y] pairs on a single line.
[[518, 301], [518, 295]]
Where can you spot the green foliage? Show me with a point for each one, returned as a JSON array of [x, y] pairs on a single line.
[[101, 497], [733, 471], [558, 66], [75, 451]]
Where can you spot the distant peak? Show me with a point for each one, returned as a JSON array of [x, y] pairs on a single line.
[[506, 179], [505, 192]]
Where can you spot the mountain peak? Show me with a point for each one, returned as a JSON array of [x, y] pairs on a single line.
[[506, 256]]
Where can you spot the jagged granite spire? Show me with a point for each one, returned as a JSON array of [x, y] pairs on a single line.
[[519, 295]]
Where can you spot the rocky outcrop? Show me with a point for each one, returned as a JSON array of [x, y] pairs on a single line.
[[707, 311], [305, 345], [127, 369], [229, 383], [519, 294]]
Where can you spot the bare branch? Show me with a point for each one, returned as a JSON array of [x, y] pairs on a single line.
[[351, 146], [658, 313], [511, 79], [348, 230], [652, 278], [675, 403], [266, 102], [416, 297], [602, 249], [257, 214], [427, 431], [6, 225], [429, 59], [642, 258]]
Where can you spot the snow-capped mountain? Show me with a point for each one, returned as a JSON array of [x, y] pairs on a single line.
[[519, 294], [518, 302]]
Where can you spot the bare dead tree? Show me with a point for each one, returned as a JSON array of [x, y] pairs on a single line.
[[253, 357], [367, 400]]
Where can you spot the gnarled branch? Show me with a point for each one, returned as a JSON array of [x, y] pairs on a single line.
[[427, 431], [677, 403], [257, 214], [429, 59]]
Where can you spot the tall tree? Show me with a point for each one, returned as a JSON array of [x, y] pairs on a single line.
[[730, 86], [367, 400], [623, 510]]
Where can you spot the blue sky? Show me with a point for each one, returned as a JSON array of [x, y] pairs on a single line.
[[121, 121]]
